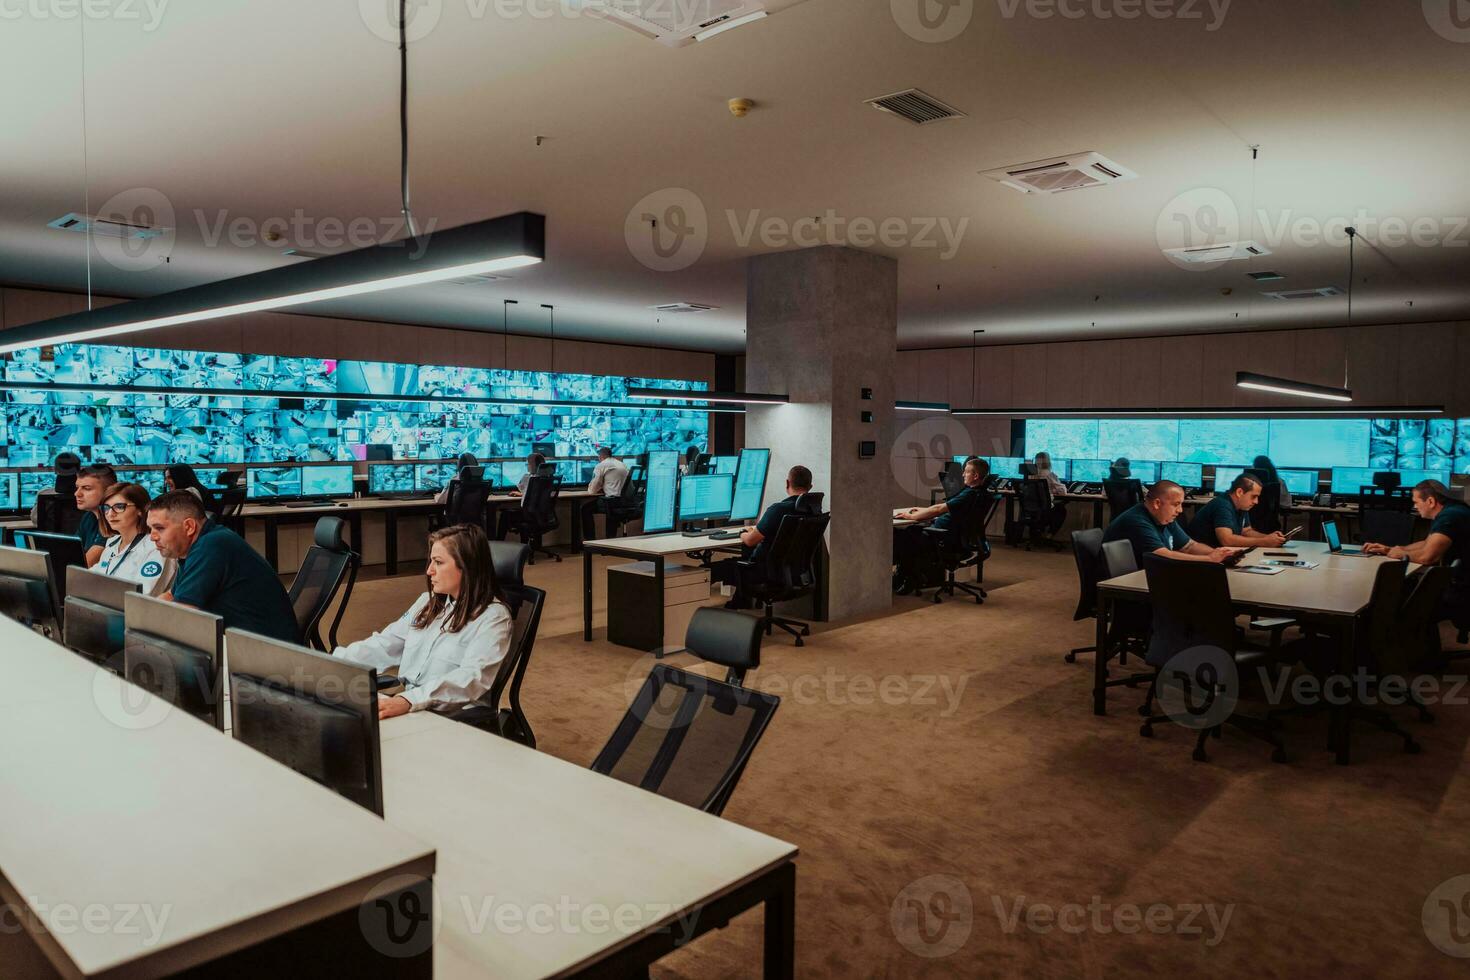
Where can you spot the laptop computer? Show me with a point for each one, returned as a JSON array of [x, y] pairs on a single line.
[[1334, 542]]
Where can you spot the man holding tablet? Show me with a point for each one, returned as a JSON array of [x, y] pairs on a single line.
[[1226, 520]]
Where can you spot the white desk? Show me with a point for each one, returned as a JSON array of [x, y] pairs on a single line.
[[225, 848], [587, 870], [654, 547]]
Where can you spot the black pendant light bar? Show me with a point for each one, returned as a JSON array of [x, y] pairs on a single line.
[[1356, 411], [1286, 386], [722, 397], [508, 242], [908, 406]]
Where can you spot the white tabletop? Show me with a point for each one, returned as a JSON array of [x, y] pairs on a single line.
[[670, 543], [544, 842], [1339, 586], [221, 845]]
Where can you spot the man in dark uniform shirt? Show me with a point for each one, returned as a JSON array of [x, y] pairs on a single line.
[[1226, 520], [1448, 541], [755, 539], [1152, 528], [917, 554], [92, 485]]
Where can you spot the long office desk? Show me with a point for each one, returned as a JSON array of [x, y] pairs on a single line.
[[548, 869], [649, 547], [143, 843], [1333, 596]]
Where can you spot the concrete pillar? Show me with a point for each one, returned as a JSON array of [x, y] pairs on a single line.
[[821, 325]]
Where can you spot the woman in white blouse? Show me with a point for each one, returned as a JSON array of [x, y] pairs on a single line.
[[449, 644], [130, 553]]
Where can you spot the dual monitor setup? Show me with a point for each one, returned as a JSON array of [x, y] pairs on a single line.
[[715, 495]]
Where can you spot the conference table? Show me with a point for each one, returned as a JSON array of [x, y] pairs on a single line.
[[1332, 597]]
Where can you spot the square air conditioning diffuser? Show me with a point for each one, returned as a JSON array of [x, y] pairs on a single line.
[[1074, 172], [676, 22], [104, 227], [1318, 293], [1224, 252]]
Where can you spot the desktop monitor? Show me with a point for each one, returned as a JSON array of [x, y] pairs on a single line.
[[27, 593], [326, 481], [750, 484], [1301, 483], [94, 615], [1225, 475], [391, 477], [315, 714], [1006, 467], [661, 491], [9, 491], [1143, 470], [1090, 470], [1189, 475], [65, 551], [174, 652], [724, 464], [268, 482], [706, 497], [433, 476]]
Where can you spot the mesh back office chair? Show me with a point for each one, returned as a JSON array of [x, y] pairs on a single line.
[[1389, 526], [810, 503], [537, 515], [688, 737], [626, 506], [952, 478], [786, 570], [1122, 494], [231, 504], [1192, 610], [1036, 507], [324, 568], [963, 544], [509, 561], [468, 494], [486, 714], [1087, 551], [57, 512]]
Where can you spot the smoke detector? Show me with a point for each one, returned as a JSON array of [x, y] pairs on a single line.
[[105, 227], [1224, 252], [1074, 172]]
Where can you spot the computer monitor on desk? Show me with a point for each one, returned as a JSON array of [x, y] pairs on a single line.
[[750, 484], [433, 477], [65, 551], [174, 652], [724, 464], [326, 482], [1301, 483], [1144, 471], [312, 713], [273, 482], [9, 491], [661, 491], [1190, 476], [391, 478], [27, 593], [706, 497], [1005, 467], [1226, 475], [93, 615], [1090, 470]]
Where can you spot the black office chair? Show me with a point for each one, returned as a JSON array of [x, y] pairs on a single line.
[[231, 504], [509, 561], [1122, 494], [1128, 626], [326, 566], [626, 506], [1417, 631], [1192, 610], [1036, 506], [526, 605], [688, 737], [1385, 526], [1385, 497], [537, 515], [810, 503], [468, 494], [963, 545], [1087, 551], [787, 570], [56, 513], [1266, 515], [952, 478]]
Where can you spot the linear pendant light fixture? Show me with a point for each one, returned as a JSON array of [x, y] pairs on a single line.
[[1286, 386], [908, 406]]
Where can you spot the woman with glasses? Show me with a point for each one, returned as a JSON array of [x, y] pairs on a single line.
[[130, 553]]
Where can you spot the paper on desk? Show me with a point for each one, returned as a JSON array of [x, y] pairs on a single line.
[[1291, 563], [1258, 569]]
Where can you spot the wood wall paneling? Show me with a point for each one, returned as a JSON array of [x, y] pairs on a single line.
[[995, 372], [1029, 377], [906, 379], [1373, 365], [1101, 360], [1140, 372], [1182, 365]]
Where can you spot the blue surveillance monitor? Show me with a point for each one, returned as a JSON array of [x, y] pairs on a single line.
[[326, 481], [750, 484], [150, 480], [706, 497], [1184, 474], [1301, 483], [266, 482], [1006, 467], [724, 464], [1225, 475], [433, 476], [661, 494], [390, 478], [1089, 470], [9, 491]]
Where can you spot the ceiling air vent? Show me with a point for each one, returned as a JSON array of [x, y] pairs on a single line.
[[1074, 172], [683, 308], [917, 106], [105, 227], [1265, 276], [677, 22], [1225, 252], [1318, 293]]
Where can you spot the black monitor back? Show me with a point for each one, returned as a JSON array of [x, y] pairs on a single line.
[[93, 614], [65, 551], [174, 652], [315, 714], [27, 589]]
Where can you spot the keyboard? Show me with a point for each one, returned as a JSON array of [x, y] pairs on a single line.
[[307, 503], [404, 496], [725, 535]]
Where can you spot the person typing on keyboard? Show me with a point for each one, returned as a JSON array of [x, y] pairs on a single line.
[[731, 571]]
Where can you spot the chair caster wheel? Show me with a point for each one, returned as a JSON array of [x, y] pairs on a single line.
[[1412, 747], [1199, 755], [799, 642], [1144, 710], [1278, 754], [1147, 731], [936, 598], [1070, 658]]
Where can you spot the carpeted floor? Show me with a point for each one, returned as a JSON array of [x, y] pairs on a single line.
[[953, 741]]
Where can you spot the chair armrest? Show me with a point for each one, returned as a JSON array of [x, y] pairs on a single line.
[[386, 681]]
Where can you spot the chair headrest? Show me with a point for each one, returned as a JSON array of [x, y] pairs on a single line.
[[725, 637], [509, 560], [810, 502], [329, 534]]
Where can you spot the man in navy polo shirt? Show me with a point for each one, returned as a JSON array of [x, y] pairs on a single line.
[[1152, 528], [92, 485], [1448, 540], [1226, 520], [218, 571]]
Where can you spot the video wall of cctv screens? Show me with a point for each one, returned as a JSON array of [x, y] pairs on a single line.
[[1380, 444], [136, 429]]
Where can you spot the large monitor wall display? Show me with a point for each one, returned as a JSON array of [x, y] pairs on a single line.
[[146, 429], [1433, 444]]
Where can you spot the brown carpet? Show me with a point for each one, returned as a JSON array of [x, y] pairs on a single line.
[[953, 741]]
